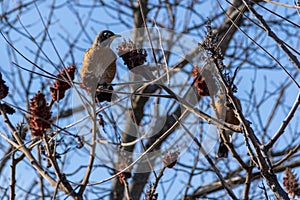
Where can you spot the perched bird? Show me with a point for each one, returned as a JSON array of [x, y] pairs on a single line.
[[225, 111], [99, 66]]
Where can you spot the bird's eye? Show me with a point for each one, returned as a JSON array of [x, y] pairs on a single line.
[[104, 36], [107, 34]]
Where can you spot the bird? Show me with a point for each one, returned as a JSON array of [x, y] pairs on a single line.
[[225, 111], [99, 66]]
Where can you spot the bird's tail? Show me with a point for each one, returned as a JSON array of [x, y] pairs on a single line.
[[223, 150]]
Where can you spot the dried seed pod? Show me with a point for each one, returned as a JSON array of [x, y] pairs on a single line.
[[171, 159]]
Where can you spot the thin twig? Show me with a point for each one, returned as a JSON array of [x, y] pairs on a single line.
[[282, 4], [148, 32], [163, 53], [12, 177], [46, 29], [206, 189], [155, 184], [32, 160], [247, 183], [209, 160], [85, 180], [271, 34], [285, 123], [126, 188], [158, 141], [287, 156]]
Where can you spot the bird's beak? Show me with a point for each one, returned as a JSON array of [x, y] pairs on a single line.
[[116, 35]]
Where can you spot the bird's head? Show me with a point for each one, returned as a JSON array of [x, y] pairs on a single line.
[[105, 38]]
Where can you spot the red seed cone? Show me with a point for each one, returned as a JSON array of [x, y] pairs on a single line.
[[62, 83], [3, 88], [39, 115], [200, 83], [290, 182], [7, 108], [123, 175], [131, 55]]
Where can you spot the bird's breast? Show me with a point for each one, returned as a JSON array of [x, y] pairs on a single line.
[[101, 63]]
